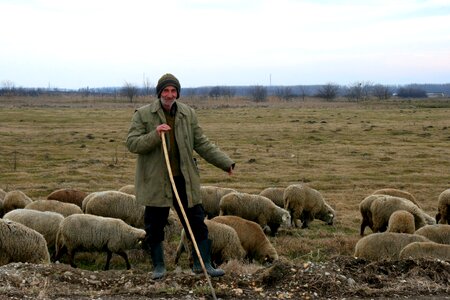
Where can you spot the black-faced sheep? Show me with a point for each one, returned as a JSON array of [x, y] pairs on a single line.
[[307, 204], [383, 207], [64, 208], [397, 193], [211, 196], [68, 195], [84, 232], [224, 247], [252, 237], [15, 199], [384, 245], [45, 222], [275, 194], [438, 233], [115, 204], [428, 250], [443, 214], [255, 208], [19, 243], [128, 189], [401, 221]]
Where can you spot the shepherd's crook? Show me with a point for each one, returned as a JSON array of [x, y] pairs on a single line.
[[191, 234]]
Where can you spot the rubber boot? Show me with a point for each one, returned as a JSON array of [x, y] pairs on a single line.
[[157, 255], [205, 251]]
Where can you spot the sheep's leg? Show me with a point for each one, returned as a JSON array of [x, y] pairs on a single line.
[[59, 252], [71, 254], [125, 257], [108, 259], [363, 226]]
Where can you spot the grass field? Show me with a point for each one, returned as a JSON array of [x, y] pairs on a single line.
[[345, 150]]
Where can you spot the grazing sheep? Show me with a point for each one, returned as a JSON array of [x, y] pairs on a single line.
[[307, 204], [428, 250], [255, 208], [66, 209], [15, 199], [383, 207], [211, 196], [252, 237], [384, 245], [115, 204], [443, 215], [224, 247], [397, 193], [68, 195], [401, 221], [275, 194], [128, 189], [45, 222], [84, 232], [19, 243], [86, 200], [366, 214], [438, 233]]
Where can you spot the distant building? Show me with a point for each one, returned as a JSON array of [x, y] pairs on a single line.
[[435, 95]]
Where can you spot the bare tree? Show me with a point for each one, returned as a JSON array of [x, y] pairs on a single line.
[[284, 93], [130, 91], [258, 93], [8, 88], [148, 87], [382, 92], [328, 91]]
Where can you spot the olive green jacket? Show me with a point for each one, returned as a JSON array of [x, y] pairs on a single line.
[[152, 182]]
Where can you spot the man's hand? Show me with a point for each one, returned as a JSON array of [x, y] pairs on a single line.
[[162, 128]]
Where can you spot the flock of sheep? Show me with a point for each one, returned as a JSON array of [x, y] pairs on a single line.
[[70, 221]]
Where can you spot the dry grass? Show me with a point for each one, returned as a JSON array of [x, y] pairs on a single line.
[[345, 150]]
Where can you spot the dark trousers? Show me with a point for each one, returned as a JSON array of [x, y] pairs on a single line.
[[155, 218]]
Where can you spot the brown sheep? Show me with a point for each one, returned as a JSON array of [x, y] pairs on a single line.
[[383, 207], [211, 196], [275, 194], [252, 237], [438, 233], [15, 199], [443, 215], [401, 221], [428, 250], [397, 193], [384, 245], [68, 195], [307, 204]]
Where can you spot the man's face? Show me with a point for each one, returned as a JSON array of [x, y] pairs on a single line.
[[168, 96]]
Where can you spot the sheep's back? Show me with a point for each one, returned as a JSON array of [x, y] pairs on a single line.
[[438, 233]]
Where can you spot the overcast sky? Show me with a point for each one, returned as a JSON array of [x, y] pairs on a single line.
[[98, 43]]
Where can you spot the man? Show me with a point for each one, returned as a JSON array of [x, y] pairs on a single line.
[[179, 124]]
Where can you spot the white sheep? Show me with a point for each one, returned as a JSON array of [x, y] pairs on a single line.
[[45, 222], [427, 250], [401, 221], [115, 204], [211, 196], [64, 208], [84, 232], [383, 207], [397, 193], [252, 237], [19, 243], [275, 194], [15, 199], [438, 233], [384, 245], [225, 243], [128, 189], [443, 215], [255, 208], [68, 195], [307, 204]]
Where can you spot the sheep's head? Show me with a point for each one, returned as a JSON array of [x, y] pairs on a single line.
[[327, 215]]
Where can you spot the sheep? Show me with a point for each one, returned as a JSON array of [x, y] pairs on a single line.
[[275, 194], [45, 222], [68, 196], [128, 189], [84, 232], [18, 243], [86, 200], [15, 199], [307, 204], [443, 215], [397, 193], [255, 208], [384, 245], [401, 221], [2, 195], [66, 209], [366, 214], [427, 250], [115, 204], [224, 247], [438, 233], [252, 237], [383, 207], [211, 196]]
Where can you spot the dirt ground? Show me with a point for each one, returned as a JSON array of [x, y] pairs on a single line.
[[342, 277]]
